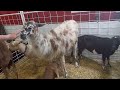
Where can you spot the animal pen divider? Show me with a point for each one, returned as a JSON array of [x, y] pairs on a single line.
[[100, 23]]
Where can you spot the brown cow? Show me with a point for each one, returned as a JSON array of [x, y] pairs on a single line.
[[6, 59], [52, 71]]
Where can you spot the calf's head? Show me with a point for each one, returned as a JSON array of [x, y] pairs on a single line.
[[118, 39], [116, 42]]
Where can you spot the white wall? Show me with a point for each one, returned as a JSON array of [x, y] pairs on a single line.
[[101, 28], [11, 29]]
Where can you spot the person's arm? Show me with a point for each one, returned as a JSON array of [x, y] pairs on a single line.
[[9, 36], [4, 37]]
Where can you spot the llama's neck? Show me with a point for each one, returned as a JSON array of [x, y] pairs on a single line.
[[35, 37], [41, 44], [40, 38]]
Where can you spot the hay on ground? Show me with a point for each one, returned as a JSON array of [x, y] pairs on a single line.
[[89, 69]]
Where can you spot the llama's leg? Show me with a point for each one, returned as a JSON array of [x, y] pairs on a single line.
[[57, 72], [103, 63], [63, 65], [71, 59], [108, 59], [5, 73], [15, 69], [75, 55]]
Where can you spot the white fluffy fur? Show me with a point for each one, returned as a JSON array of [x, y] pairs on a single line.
[[40, 45], [45, 50]]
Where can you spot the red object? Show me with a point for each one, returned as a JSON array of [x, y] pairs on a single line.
[[53, 16]]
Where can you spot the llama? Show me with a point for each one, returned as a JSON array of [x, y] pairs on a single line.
[[55, 44]]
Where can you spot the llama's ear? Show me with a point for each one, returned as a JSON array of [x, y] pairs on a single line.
[[39, 24], [25, 23]]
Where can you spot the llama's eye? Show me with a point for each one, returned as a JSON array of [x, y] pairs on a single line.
[[25, 28], [29, 28]]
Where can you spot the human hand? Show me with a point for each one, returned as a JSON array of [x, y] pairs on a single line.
[[14, 35]]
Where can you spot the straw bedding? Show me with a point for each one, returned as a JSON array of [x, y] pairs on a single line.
[[89, 69]]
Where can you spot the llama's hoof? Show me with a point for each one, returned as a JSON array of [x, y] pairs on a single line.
[[76, 65], [66, 75]]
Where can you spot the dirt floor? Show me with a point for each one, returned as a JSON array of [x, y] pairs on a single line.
[[89, 69]]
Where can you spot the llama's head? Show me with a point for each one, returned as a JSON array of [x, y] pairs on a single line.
[[29, 28]]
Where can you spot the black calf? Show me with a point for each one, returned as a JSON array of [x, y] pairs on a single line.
[[104, 46]]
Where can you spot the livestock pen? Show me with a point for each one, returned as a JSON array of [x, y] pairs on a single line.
[[99, 23]]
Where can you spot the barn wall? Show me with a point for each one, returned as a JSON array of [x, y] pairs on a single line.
[[106, 27], [12, 28], [100, 28], [14, 18], [96, 28], [7, 12]]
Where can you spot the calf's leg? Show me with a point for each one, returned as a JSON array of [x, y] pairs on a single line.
[[108, 59], [5, 72], [14, 69], [103, 63], [80, 55]]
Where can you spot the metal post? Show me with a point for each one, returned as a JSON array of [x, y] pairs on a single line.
[[22, 16], [98, 22]]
